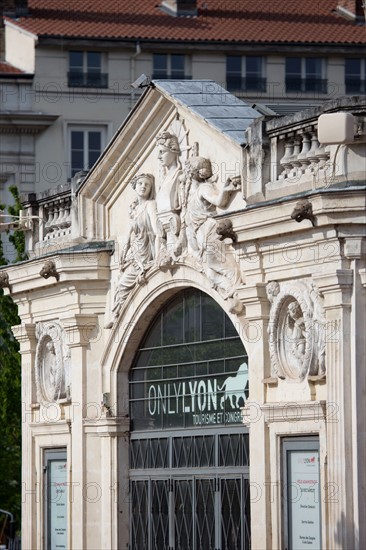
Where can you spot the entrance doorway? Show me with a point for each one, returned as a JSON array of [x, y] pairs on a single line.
[[189, 452]]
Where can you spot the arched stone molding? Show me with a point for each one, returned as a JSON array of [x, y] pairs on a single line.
[[139, 309]]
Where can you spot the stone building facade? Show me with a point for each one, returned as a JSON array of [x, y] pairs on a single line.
[[191, 333]]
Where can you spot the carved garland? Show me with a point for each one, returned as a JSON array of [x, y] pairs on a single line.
[[52, 363]]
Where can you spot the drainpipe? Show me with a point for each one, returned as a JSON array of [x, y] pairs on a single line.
[[132, 72]]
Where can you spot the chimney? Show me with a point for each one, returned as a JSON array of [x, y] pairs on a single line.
[[351, 9], [10, 8], [179, 8]]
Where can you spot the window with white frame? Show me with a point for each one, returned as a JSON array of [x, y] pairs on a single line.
[[172, 66], [86, 70], [305, 74], [355, 75], [85, 146], [245, 73]]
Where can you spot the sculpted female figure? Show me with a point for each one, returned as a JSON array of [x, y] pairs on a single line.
[[141, 247], [168, 155]]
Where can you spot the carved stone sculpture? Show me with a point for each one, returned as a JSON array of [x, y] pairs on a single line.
[[49, 270], [209, 240], [4, 281], [141, 248], [303, 211], [180, 222], [168, 155], [52, 375], [296, 330]]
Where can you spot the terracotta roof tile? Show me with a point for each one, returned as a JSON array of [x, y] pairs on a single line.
[[281, 21], [5, 68]]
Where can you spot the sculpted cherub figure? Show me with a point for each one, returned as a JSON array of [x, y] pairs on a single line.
[[202, 199], [209, 240], [142, 246]]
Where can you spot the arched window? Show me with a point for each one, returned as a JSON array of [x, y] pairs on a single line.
[[189, 455]]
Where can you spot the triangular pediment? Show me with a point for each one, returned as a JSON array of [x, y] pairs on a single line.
[[210, 122], [165, 184]]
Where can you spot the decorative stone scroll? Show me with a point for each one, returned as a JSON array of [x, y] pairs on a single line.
[[52, 374], [296, 330], [174, 220]]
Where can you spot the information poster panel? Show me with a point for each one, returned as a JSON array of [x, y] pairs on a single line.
[[303, 497], [57, 504]]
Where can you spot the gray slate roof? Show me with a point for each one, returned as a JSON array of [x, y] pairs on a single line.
[[218, 107]]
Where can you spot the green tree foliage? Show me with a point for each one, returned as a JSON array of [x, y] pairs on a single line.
[[10, 387]]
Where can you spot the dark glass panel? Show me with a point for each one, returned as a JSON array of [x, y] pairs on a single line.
[[233, 64], [253, 65], [293, 66], [192, 318], [77, 140], [177, 62], [160, 65], [353, 67], [313, 67], [94, 61], [173, 324], [76, 61], [212, 319]]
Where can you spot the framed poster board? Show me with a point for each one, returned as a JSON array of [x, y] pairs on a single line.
[[301, 495], [55, 493]]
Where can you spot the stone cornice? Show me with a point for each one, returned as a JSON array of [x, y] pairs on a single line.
[[76, 267], [342, 279], [285, 412], [108, 426], [25, 123]]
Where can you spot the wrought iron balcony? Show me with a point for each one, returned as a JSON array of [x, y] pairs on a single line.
[[312, 85], [248, 84], [355, 86], [162, 75], [78, 79]]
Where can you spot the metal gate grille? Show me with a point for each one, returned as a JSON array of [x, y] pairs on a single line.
[[190, 514], [189, 452]]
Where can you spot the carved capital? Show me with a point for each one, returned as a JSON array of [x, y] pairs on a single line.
[[25, 333], [354, 247], [336, 287], [362, 273], [80, 329]]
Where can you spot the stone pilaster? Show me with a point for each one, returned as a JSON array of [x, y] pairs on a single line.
[[114, 447], [255, 339], [78, 329], [26, 336], [338, 512]]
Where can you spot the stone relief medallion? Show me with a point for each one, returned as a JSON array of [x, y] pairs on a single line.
[[52, 363], [296, 330]]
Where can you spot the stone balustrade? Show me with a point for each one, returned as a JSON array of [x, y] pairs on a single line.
[[57, 215], [303, 154], [54, 217]]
